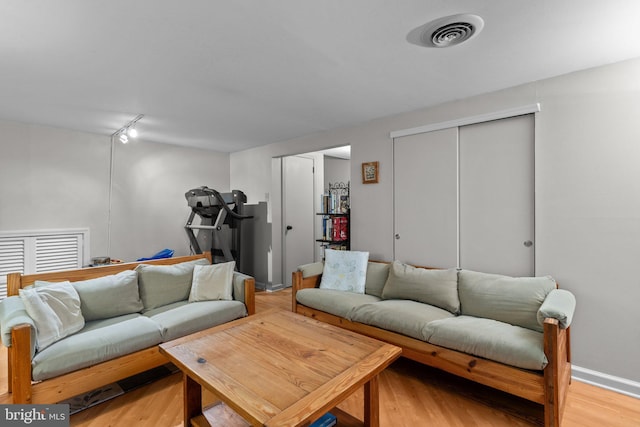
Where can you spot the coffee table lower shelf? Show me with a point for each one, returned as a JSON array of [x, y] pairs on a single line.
[[220, 415]]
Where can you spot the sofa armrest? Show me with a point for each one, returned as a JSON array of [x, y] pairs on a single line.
[[244, 290], [305, 276], [560, 304], [312, 269], [12, 314]]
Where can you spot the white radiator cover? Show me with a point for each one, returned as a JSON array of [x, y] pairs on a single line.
[[38, 251]]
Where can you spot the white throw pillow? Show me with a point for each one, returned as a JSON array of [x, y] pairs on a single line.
[[344, 270], [212, 282], [55, 310]]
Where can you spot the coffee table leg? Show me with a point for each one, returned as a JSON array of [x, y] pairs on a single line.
[[371, 403], [192, 392]]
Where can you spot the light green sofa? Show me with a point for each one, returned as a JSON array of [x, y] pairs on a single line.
[[128, 309], [508, 333]]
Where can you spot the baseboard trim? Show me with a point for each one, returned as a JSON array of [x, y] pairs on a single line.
[[277, 287], [606, 381], [261, 286], [270, 287]]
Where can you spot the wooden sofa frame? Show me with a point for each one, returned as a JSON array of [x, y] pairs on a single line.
[[548, 388], [65, 386]]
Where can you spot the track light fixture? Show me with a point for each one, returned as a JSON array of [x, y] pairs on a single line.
[[128, 130]]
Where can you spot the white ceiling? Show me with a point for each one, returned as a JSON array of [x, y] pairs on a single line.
[[230, 75]]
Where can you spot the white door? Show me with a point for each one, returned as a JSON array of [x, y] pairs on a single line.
[[497, 196], [425, 189], [298, 214]]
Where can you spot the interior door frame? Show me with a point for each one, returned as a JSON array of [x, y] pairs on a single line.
[[283, 215]]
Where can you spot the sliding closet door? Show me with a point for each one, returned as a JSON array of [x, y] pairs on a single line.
[[425, 198], [497, 196]]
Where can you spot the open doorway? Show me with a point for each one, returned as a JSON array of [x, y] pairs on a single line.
[[302, 189]]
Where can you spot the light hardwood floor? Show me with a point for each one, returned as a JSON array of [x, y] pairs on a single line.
[[411, 395]]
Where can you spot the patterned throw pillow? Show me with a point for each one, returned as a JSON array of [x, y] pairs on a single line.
[[344, 270]]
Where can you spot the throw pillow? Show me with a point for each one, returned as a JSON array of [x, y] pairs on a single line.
[[55, 310], [212, 282], [344, 270], [434, 287]]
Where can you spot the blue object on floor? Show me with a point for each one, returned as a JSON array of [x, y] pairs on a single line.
[[327, 420], [165, 253]]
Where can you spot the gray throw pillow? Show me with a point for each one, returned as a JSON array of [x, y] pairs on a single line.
[[434, 287]]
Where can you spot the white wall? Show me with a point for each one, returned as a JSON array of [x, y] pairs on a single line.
[[336, 170], [587, 196], [588, 209], [54, 178], [149, 210]]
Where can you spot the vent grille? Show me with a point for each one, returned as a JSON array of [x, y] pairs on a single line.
[[446, 32], [11, 256], [452, 34], [57, 253], [39, 252]]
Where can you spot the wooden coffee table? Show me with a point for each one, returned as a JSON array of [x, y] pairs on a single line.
[[278, 368]]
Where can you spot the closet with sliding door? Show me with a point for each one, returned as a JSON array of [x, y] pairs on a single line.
[[464, 196]]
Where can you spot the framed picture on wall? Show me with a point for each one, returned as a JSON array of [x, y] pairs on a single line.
[[370, 173]]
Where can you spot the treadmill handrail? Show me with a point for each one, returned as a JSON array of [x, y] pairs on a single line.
[[226, 207]]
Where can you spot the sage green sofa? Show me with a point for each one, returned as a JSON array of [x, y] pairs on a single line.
[[508, 333], [128, 309]]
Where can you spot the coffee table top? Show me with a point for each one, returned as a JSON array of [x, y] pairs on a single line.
[[278, 367]]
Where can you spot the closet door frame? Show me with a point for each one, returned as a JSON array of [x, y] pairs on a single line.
[[457, 123]]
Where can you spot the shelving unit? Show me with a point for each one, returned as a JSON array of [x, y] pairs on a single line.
[[336, 227]]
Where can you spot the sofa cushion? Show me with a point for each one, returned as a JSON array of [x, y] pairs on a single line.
[[164, 284], [344, 270], [490, 339], [377, 275], [513, 300], [402, 316], [435, 287], [182, 318], [338, 303], [98, 341], [212, 282], [108, 296], [55, 310]]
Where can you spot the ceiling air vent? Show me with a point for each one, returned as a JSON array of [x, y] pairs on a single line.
[[447, 31]]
